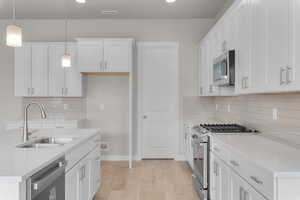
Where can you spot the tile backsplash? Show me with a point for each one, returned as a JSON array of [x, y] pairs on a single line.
[[267, 113], [59, 108]]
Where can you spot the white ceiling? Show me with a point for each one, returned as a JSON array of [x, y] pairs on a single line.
[[56, 9]]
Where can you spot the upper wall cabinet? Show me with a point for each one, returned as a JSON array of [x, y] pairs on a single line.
[[31, 70], [266, 36], [64, 82], [38, 71], [105, 55]]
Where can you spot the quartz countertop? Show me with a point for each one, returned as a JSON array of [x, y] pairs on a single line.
[[266, 150], [18, 164]]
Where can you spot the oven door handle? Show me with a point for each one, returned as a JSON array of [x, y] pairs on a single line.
[[49, 178]]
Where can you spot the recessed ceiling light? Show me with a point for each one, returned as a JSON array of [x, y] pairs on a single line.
[[109, 12], [81, 1], [170, 1]]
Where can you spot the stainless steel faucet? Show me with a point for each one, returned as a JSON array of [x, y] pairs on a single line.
[[25, 128]]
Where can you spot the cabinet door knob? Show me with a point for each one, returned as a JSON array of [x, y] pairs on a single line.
[[144, 117]]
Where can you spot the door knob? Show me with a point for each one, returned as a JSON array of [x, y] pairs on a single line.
[[144, 117]]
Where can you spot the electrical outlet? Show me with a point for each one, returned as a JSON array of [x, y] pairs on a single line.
[[217, 107], [275, 114], [228, 108], [104, 146], [101, 107]]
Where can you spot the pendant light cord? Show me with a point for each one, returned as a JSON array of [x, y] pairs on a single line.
[[14, 10], [66, 28]]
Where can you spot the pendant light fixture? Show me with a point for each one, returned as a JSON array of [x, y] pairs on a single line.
[[14, 32], [81, 1], [66, 60]]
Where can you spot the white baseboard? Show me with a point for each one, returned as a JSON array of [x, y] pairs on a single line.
[[135, 158], [117, 158], [180, 158]]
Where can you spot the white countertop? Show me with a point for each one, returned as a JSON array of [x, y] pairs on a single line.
[[17, 164], [267, 151]]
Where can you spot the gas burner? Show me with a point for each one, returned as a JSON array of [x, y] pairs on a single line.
[[225, 128]]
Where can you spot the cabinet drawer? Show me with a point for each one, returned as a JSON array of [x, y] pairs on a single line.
[[80, 151], [260, 179]]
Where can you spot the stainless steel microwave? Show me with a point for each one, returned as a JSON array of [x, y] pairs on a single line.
[[224, 69]]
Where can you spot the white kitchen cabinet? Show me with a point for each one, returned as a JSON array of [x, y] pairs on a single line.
[[31, 70], [117, 55], [278, 45], [23, 71], [241, 190], [259, 66], [105, 55], [219, 179], [65, 82], [95, 172], [83, 180], [228, 185], [90, 56], [243, 53], [72, 184], [203, 73]]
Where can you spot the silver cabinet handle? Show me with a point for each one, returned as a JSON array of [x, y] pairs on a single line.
[[289, 71], [32, 91], [243, 83], [246, 195], [66, 91], [216, 171], [256, 180], [282, 71], [82, 170], [101, 66], [247, 82], [242, 193], [62, 91], [234, 163], [28, 92]]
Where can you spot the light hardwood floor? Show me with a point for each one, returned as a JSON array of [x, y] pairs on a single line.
[[148, 180]]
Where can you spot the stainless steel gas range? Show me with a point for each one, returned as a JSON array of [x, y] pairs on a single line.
[[201, 146]]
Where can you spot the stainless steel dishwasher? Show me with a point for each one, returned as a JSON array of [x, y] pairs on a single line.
[[48, 183]]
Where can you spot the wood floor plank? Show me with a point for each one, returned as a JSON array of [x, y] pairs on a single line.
[[147, 180]]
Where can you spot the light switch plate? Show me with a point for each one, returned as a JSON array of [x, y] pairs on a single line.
[[275, 114]]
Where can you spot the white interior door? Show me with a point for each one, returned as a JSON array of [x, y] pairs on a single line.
[[158, 99]]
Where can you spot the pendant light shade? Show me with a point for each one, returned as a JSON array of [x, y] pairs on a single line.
[[66, 61], [80, 1], [13, 36], [14, 32]]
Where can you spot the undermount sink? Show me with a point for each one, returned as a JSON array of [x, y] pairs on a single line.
[[46, 142]]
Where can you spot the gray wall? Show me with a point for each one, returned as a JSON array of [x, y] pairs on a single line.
[[110, 91]]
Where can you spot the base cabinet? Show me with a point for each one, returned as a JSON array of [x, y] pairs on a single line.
[[226, 184], [83, 180]]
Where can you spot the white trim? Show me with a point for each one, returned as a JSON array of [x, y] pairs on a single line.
[[180, 158], [118, 158]]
